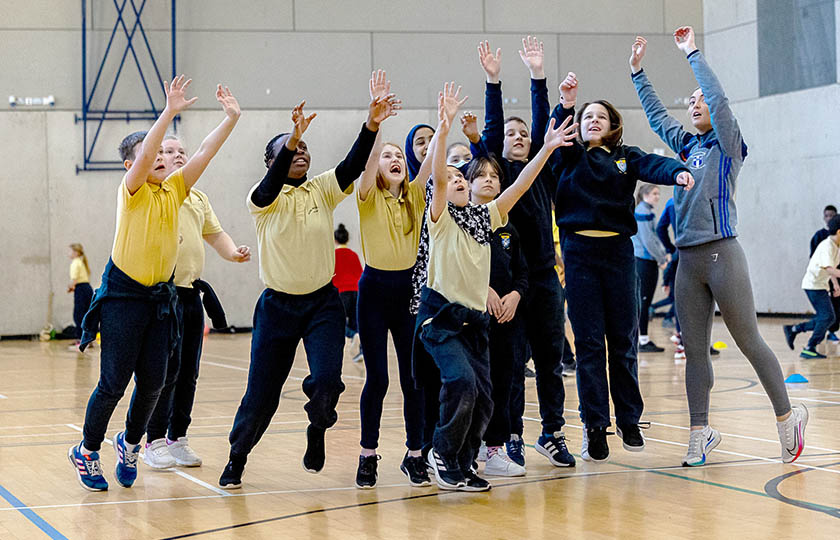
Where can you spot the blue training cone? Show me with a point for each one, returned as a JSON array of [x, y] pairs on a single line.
[[796, 378]]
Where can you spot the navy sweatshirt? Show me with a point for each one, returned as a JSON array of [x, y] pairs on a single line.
[[508, 269], [531, 216], [595, 187]]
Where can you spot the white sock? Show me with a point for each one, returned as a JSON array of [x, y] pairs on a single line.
[[644, 340], [84, 450]]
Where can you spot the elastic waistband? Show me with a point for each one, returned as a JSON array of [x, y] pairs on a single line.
[[317, 292], [188, 291], [390, 274], [714, 244]]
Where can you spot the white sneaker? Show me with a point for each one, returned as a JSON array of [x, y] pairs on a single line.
[[500, 465], [792, 433], [482, 452], [183, 454], [157, 455], [679, 353], [675, 339], [700, 444]]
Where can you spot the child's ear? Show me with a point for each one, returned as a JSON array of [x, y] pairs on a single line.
[[127, 164]]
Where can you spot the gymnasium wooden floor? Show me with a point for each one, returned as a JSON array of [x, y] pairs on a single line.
[[744, 491]]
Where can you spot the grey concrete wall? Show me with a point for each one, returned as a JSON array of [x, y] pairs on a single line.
[[319, 50], [790, 173]]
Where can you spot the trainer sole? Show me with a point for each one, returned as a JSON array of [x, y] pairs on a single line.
[[551, 460]]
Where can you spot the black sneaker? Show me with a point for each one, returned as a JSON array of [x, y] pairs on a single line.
[[474, 482], [415, 469], [447, 472], [790, 335], [529, 373], [713, 351], [594, 447], [631, 437], [313, 459], [650, 347], [366, 474], [554, 448], [569, 369], [232, 475]]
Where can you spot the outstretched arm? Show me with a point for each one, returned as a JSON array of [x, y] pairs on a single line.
[[448, 105], [493, 135], [532, 56], [379, 86], [668, 128], [723, 119], [176, 102], [224, 246], [657, 169], [211, 144], [554, 138]]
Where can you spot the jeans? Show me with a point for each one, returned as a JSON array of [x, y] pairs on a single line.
[[824, 318]]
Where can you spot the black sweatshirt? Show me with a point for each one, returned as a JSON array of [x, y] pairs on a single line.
[[346, 172], [508, 269], [595, 188], [532, 214]]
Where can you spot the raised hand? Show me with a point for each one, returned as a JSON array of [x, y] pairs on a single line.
[[242, 254], [568, 90], [686, 180], [381, 108], [451, 101], [492, 63], [229, 103], [176, 100], [532, 55], [637, 52], [379, 85], [469, 125], [564, 135], [684, 39], [301, 122]]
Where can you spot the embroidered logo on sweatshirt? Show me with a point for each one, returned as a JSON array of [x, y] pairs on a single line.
[[505, 237], [698, 159], [622, 165]]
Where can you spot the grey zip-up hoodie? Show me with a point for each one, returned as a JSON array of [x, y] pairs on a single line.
[[707, 212], [646, 244]]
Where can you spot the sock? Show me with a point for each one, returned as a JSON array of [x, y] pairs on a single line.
[[415, 453], [84, 450], [644, 340], [367, 453], [492, 451]]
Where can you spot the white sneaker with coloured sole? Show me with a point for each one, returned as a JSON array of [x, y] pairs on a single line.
[[792, 433], [700, 443], [183, 454], [157, 455]]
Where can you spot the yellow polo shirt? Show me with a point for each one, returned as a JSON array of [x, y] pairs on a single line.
[[295, 235], [146, 240], [78, 272], [459, 267], [383, 222], [196, 219]]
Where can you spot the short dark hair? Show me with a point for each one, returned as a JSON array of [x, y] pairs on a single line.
[[269, 148], [830, 207], [834, 225], [612, 138], [341, 235], [129, 143], [516, 118], [477, 165]]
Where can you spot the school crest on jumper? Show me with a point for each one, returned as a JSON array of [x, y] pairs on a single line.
[[622, 165], [505, 237], [698, 159]]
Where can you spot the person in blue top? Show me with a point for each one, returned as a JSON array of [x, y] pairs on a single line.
[[713, 267]]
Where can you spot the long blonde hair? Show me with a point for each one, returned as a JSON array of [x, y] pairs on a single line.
[[80, 251], [382, 183]]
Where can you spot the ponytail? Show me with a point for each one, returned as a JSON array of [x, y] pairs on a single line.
[[81, 252]]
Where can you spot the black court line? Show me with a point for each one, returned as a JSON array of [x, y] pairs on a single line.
[[438, 493], [771, 488]]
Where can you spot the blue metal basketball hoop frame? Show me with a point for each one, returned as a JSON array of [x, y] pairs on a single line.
[[92, 118]]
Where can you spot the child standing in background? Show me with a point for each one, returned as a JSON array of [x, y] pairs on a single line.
[[651, 256], [80, 287], [348, 270]]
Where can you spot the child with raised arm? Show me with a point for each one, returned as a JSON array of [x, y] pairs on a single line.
[[713, 267], [293, 216], [596, 180], [542, 308], [167, 444], [452, 322], [135, 307]]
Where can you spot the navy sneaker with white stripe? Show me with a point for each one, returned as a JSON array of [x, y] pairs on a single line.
[[88, 469], [447, 472], [126, 471], [515, 449], [553, 446]]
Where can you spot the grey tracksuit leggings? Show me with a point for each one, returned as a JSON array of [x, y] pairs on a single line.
[[717, 271]]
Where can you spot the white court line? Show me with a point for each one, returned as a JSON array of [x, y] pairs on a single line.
[[822, 391], [801, 398], [525, 480], [750, 456], [3, 397], [343, 375], [201, 483]]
